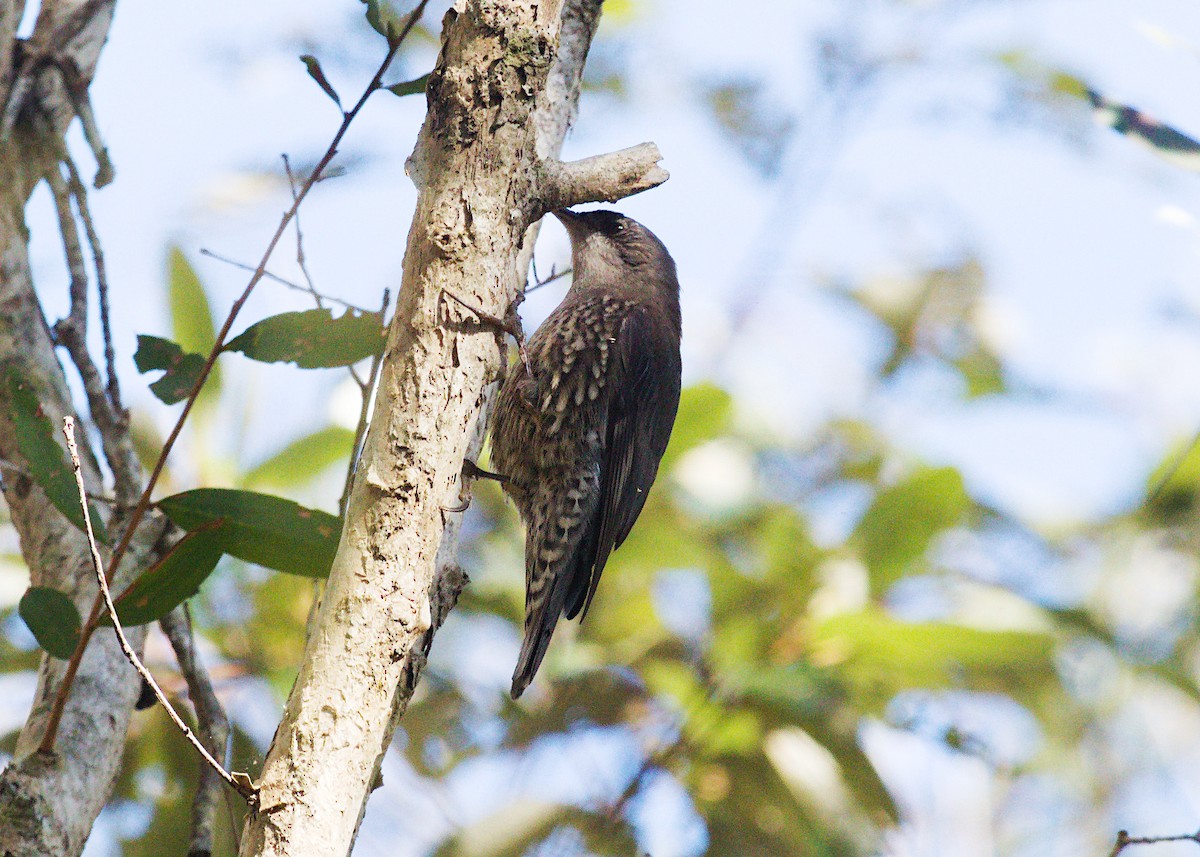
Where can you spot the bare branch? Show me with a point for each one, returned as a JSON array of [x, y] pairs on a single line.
[[77, 91], [76, 267], [1124, 840], [80, 194], [283, 281], [143, 503], [554, 275], [602, 178], [364, 413], [98, 567], [211, 723], [71, 334]]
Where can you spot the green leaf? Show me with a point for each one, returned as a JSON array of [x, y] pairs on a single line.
[[172, 580], [799, 689], [409, 87], [800, 695], [748, 809], [787, 552], [181, 369], [53, 619], [1171, 489], [317, 73], [260, 528], [384, 19], [899, 525], [191, 316], [982, 371], [312, 339], [303, 459], [879, 656], [37, 439], [705, 411], [514, 829]]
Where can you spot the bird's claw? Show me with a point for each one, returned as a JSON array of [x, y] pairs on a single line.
[[510, 324], [470, 472]]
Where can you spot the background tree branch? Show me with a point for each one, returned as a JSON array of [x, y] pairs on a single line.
[[50, 800]]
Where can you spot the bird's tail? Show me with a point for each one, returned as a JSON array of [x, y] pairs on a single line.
[[544, 606]]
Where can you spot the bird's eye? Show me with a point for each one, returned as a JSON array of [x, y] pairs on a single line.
[[620, 227]]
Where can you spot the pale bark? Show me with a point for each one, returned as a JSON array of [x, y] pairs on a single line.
[[478, 167], [49, 801]]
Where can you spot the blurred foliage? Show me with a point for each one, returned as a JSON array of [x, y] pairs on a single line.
[[736, 650]]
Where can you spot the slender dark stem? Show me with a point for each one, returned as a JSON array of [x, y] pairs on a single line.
[[364, 411], [130, 654], [554, 275], [302, 262], [211, 723], [283, 281], [300, 259], [1124, 840], [143, 503]]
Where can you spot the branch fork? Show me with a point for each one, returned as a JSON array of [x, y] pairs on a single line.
[[601, 178]]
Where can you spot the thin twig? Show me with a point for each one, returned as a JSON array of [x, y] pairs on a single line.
[[1124, 839], [283, 281], [211, 723], [77, 91], [73, 250], [303, 264], [80, 194], [300, 260], [554, 275], [71, 333], [143, 503], [98, 567], [364, 411]]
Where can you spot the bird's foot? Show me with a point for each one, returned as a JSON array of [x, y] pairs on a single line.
[[470, 472], [510, 324]]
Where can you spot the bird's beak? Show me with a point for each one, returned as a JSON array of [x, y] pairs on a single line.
[[566, 217]]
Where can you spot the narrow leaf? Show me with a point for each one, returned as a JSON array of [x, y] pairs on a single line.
[[53, 619], [899, 525], [191, 315], [383, 19], [312, 339], [181, 369], [316, 73], [37, 439], [302, 459], [409, 87], [260, 528], [1170, 143], [880, 656], [173, 579]]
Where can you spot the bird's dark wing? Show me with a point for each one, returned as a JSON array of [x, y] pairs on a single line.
[[642, 389]]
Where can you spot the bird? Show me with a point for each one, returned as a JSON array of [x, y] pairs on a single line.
[[579, 430]]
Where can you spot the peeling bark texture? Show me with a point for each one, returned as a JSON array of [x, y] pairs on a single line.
[[499, 106], [48, 802]]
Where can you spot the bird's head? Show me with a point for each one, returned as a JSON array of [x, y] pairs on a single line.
[[607, 247]]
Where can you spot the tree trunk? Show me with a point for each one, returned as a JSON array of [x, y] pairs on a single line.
[[49, 801], [499, 107]]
